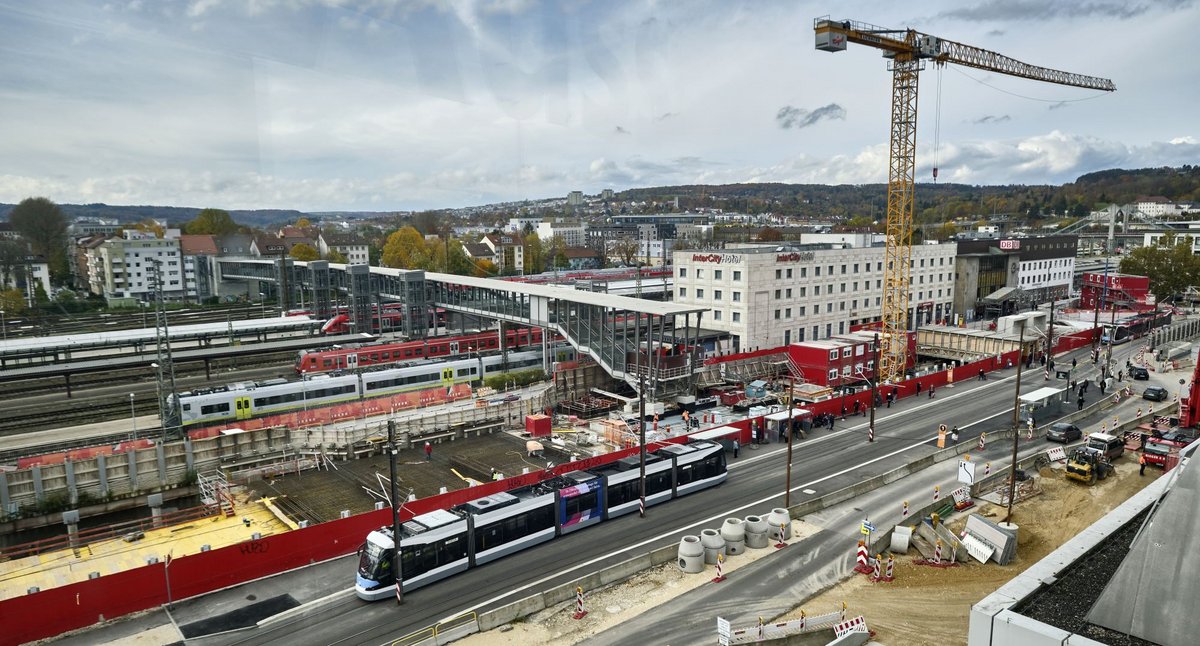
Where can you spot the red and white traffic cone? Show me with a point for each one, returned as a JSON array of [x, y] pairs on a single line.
[[580, 613], [937, 493], [802, 619], [891, 563], [720, 577], [904, 510], [875, 573], [982, 440], [987, 469], [843, 611], [761, 636], [782, 543], [870, 434], [937, 552]]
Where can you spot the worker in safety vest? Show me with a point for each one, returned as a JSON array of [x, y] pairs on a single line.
[[1142, 464]]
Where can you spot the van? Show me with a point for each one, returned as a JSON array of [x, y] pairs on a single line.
[[1112, 446]]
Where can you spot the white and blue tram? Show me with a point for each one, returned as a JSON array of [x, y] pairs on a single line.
[[245, 400], [442, 543]]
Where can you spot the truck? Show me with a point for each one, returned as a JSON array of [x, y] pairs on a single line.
[[1158, 447]]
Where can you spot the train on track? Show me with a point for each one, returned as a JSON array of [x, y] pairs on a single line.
[[325, 360], [442, 543], [249, 399]]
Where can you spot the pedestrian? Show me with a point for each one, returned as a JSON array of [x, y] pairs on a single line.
[[1120, 375], [428, 452], [1074, 363], [857, 407], [1142, 464], [831, 418], [843, 410], [736, 446], [1103, 386], [889, 400], [1074, 384], [931, 391], [1081, 402], [918, 388], [982, 375], [686, 415], [954, 435]]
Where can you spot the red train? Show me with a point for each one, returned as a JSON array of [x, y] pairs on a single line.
[[372, 355]]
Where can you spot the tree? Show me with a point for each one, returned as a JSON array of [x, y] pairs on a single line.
[[215, 222], [1169, 264], [457, 261], [337, 256], [770, 234], [560, 260], [405, 249], [303, 223], [946, 232], [39, 293], [304, 252], [535, 255], [626, 249], [484, 268], [12, 301], [150, 226], [12, 262], [44, 227]]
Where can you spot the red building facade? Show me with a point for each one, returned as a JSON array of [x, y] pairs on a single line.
[[1125, 291]]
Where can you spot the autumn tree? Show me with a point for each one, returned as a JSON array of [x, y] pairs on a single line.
[[42, 224], [1169, 264], [149, 225], [406, 249], [303, 223], [626, 249], [12, 301], [535, 262], [457, 261], [484, 268], [215, 222], [769, 234], [337, 256], [304, 252]]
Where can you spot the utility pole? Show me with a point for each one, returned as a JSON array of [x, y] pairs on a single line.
[[787, 492], [874, 389], [642, 442], [391, 425], [1112, 334], [171, 418], [1016, 425]]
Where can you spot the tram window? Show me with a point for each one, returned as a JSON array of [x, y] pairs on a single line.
[[409, 353], [577, 505], [622, 493], [187, 407], [658, 482], [463, 372], [711, 467], [685, 474], [328, 363]]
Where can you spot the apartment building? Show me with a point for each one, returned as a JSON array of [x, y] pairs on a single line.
[[773, 295], [123, 268]]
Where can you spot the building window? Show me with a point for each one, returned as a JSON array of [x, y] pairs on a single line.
[[778, 293], [841, 327], [682, 292], [801, 310], [833, 375], [842, 306], [800, 335], [777, 314], [845, 373], [833, 356], [716, 294], [699, 293], [699, 273], [818, 270], [737, 316], [830, 270], [828, 330], [856, 268], [816, 290], [787, 313], [737, 276], [828, 307], [858, 350], [789, 293], [717, 274], [778, 274], [802, 291], [843, 288], [816, 335], [737, 297], [716, 315], [843, 269], [804, 272], [789, 273], [787, 337], [846, 352]]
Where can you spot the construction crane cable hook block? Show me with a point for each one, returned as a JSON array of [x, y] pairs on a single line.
[[907, 50]]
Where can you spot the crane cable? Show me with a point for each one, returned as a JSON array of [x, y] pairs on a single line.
[[937, 123]]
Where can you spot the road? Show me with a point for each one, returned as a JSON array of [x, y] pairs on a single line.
[[822, 463]]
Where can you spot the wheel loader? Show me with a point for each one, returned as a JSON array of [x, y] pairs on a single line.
[[1087, 464]]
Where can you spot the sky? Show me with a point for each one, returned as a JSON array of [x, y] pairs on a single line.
[[324, 105]]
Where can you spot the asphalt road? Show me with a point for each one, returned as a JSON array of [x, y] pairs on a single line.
[[822, 463]]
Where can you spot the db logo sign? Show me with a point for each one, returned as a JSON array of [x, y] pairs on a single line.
[[1010, 244]]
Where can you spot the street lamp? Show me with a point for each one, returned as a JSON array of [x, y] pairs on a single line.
[[133, 417], [1016, 425], [3, 325], [262, 302]]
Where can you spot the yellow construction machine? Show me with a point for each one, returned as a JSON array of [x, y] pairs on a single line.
[[1087, 464]]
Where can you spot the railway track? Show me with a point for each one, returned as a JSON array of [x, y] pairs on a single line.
[[28, 326]]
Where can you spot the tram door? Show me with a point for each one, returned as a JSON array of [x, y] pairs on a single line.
[[447, 376], [242, 407], [352, 360], [454, 347]]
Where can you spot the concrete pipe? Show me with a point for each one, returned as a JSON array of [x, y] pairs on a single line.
[[780, 516], [691, 555], [734, 533], [756, 532], [713, 544]]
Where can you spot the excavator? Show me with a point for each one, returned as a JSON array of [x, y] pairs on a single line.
[[1086, 464]]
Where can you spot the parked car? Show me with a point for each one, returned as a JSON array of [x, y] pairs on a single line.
[[1139, 373], [1155, 393], [1063, 432], [1110, 445]]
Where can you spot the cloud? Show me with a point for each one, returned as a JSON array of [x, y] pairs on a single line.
[[1034, 10], [792, 117], [620, 131], [992, 119], [1185, 140]]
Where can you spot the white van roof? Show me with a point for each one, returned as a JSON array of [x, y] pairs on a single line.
[[1103, 437]]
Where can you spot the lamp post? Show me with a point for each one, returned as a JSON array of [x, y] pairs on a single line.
[[3, 325], [133, 417], [787, 491], [1016, 425], [262, 303], [641, 434]]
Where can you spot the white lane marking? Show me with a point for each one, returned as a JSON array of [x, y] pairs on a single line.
[[720, 516]]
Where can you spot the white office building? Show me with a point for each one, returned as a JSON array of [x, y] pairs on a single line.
[[122, 268], [768, 295]]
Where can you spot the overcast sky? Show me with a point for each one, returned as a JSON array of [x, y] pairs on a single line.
[[374, 105]]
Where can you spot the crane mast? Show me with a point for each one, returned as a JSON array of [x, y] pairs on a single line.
[[908, 50]]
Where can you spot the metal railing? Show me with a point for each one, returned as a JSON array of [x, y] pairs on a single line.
[[437, 631]]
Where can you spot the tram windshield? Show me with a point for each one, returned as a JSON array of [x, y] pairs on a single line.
[[373, 560]]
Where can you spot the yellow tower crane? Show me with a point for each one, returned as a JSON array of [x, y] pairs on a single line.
[[908, 51]]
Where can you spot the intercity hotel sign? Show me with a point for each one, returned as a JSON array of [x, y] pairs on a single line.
[[718, 258]]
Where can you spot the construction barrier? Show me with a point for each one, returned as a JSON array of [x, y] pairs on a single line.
[[720, 577], [861, 557], [580, 613]]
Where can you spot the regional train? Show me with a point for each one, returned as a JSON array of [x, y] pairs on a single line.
[[442, 543], [309, 361], [248, 399]]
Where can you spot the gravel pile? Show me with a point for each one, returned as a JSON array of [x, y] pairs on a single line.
[[1065, 604]]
